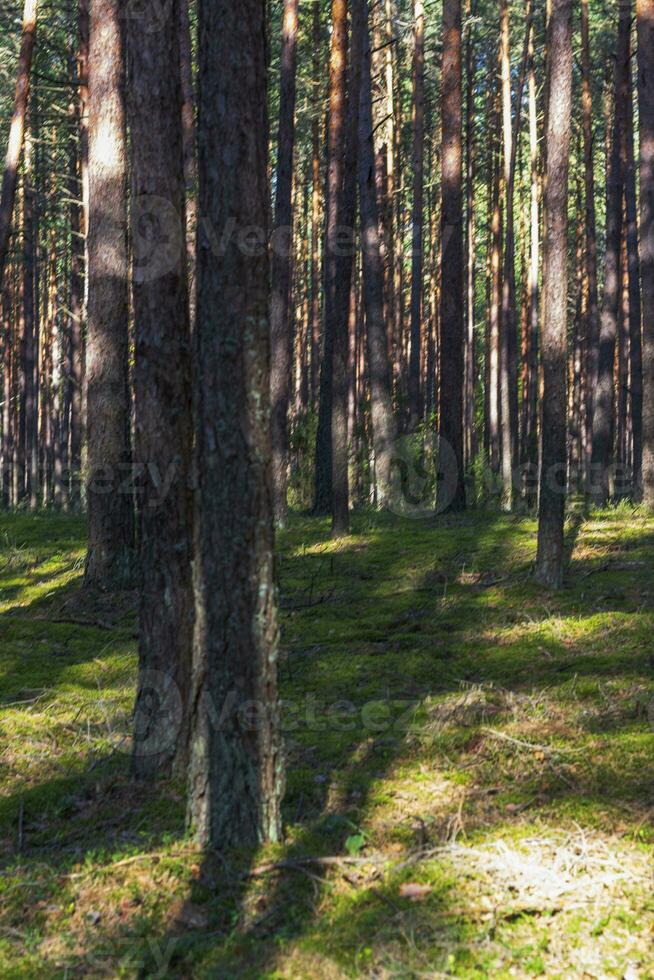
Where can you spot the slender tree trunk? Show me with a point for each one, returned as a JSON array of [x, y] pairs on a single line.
[[415, 394], [29, 358], [334, 186], [493, 352], [340, 442], [450, 416], [281, 330], [530, 391], [16, 129], [549, 562], [79, 225], [164, 430], [635, 372], [316, 305], [603, 408], [508, 356], [645, 16], [110, 502], [470, 360], [592, 314], [236, 771], [381, 409], [189, 148]]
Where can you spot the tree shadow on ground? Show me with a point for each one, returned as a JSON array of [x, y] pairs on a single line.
[[400, 618]]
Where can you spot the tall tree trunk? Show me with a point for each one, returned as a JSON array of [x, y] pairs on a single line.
[[645, 16], [493, 352], [603, 408], [592, 313], [189, 148], [549, 562], [16, 129], [29, 359], [470, 360], [79, 225], [110, 501], [332, 302], [508, 357], [450, 416], [280, 319], [530, 388], [236, 771], [340, 441], [415, 393], [381, 407], [164, 429], [316, 305], [635, 372]]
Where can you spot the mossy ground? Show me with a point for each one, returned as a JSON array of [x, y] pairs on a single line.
[[449, 725]]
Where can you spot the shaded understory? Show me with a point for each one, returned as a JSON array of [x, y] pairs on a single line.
[[478, 751]]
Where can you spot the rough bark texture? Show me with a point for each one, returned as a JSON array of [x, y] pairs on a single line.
[[450, 416], [645, 16], [549, 562], [16, 129], [235, 778], [162, 383], [381, 407], [109, 493], [333, 204], [529, 428], [281, 329], [592, 312], [189, 145], [415, 388], [603, 408], [634, 369]]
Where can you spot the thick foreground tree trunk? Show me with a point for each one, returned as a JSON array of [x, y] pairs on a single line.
[[549, 561], [109, 488], [280, 320], [236, 770], [645, 15], [16, 130], [450, 416], [164, 429]]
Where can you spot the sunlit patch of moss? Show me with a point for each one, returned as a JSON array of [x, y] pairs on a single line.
[[437, 698]]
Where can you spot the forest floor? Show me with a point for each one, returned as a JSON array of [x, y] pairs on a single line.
[[475, 755]]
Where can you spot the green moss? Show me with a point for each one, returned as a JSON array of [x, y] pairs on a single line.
[[433, 694]]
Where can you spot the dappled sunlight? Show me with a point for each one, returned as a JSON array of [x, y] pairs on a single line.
[[471, 757]]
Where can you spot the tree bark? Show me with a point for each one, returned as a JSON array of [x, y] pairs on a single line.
[[529, 427], [236, 771], [549, 561], [603, 408], [281, 328], [109, 494], [162, 385], [635, 368], [450, 416], [16, 129], [415, 390], [592, 313], [381, 401], [508, 332], [332, 301], [645, 17]]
